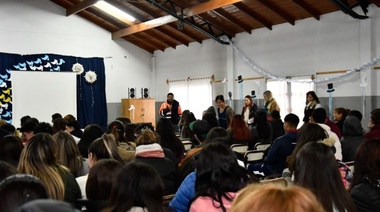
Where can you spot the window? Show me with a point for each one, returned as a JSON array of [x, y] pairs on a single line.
[[194, 95], [291, 96]]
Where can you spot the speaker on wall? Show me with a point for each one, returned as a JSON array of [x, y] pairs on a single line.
[[132, 93], [144, 93]]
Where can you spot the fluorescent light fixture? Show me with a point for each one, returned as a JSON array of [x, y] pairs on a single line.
[[114, 11]]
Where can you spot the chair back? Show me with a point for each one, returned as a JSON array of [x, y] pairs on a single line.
[[253, 156], [261, 146], [187, 144], [239, 148]]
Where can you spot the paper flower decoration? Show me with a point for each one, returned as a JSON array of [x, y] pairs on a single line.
[[90, 76], [77, 68]]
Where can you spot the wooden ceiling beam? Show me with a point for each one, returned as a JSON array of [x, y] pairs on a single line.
[[159, 35], [242, 7], [185, 32], [276, 9], [222, 27], [164, 29], [223, 13], [195, 10], [307, 8], [80, 6]]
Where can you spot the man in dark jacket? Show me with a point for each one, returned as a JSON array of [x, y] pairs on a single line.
[[282, 147]]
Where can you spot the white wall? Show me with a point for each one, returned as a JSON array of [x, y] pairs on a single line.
[[335, 42], [40, 26]]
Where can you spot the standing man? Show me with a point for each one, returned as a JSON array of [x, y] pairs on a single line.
[[225, 112], [171, 110]]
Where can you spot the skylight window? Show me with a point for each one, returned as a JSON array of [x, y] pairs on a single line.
[[114, 11]]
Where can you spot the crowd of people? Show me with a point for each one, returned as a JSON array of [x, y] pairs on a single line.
[[135, 167]]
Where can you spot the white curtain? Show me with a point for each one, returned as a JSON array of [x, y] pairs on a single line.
[[291, 96], [193, 95]]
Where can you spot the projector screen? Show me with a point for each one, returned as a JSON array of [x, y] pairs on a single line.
[[41, 94]]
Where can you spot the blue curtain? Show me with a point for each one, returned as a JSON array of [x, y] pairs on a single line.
[[91, 98]]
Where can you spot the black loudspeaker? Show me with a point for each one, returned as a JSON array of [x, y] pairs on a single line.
[[330, 88], [131, 93], [240, 79], [144, 93]]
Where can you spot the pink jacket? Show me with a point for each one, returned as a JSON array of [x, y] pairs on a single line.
[[205, 203]]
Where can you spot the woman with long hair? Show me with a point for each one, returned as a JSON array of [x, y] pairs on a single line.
[[38, 159], [317, 170], [168, 139], [102, 148], [142, 190], [238, 130], [90, 133], [340, 115], [249, 108], [312, 102], [99, 184], [125, 148], [218, 178], [309, 132], [68, 154], [365, 187]]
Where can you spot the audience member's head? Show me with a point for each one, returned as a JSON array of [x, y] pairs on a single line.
[[10, 149], [39, 159], [275, 114], [69, 117], [375, 118], [356, 113], [24, 119], [352, 126], [43, 127], [90, 133], [47, 205], [55, 116], [59, 124], [142, 187], [68, 153], [124, 120], [367, 161], [103, 148], [116, 128], [18, 189], [130, 132], [340, 113], [316, 169], [147, 136], [216, 132], [275, 197], [291, 122], [101, 178], [218, 172], [200, 128], [6, 170], [27, 130], [9, 127], [319, 115]]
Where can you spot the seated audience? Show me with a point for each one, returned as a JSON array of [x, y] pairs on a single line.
[[18, 189], [10, 149], [90, 134], [218, 178], [142, 190], [316, 169], [374, 125], [126, 149], [38, 158], [99, 184], [352, 137], [73, 128], [55, 116], [238, 130], [340, 115], [59, 124], [277, 125], [365, 185], [319, 116], [282, 147], [27, 130], [43, 127], [261, 131], [68, 154], [148, 151], [274, 197], [6, 170]]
